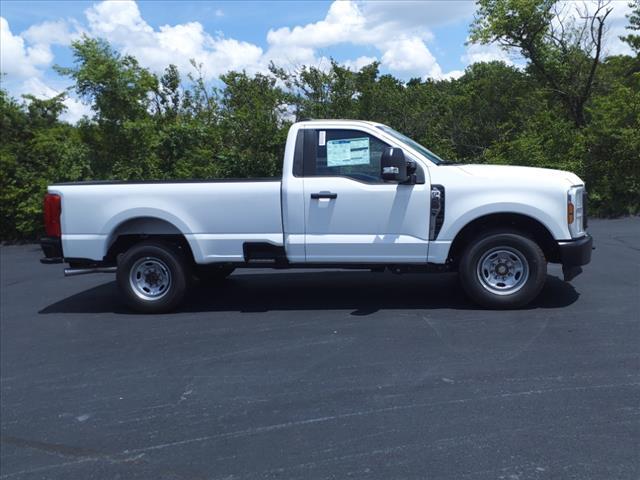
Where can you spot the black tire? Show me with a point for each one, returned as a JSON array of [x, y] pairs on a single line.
[[162, 260], [213, 273], [502, 247]]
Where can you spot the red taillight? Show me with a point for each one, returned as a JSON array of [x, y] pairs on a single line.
[[52, 211]]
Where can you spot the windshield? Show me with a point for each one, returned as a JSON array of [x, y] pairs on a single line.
[[413, 144]]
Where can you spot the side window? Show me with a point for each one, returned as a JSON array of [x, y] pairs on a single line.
[[344, 153]]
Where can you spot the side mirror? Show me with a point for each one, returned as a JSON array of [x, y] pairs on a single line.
[[393, 165]]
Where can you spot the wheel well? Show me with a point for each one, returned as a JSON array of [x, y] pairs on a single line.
[[139, 229], [527, 226]]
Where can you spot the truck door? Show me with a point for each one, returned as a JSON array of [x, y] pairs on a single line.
[[351, 214]]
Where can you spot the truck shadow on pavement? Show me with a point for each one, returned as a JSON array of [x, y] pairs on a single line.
[[362, 292]]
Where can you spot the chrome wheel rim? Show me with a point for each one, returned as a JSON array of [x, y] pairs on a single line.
[[503, 270], [150, 278]]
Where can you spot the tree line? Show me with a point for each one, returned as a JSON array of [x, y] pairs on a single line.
[[567, 108]]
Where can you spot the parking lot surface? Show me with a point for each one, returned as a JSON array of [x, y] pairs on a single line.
[[326, 374]]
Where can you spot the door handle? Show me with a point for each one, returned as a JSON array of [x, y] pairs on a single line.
[[319, 195]]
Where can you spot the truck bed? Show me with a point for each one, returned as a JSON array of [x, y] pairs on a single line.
[[216, 216]]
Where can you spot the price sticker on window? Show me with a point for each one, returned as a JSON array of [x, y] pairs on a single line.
[[352, 151]]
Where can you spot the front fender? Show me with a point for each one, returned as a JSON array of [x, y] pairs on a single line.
[[456, 221]]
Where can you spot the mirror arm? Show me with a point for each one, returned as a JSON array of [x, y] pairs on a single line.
[[412, 179]]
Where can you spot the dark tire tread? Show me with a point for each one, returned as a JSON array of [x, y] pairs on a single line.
[[177, 264], [529, 248]]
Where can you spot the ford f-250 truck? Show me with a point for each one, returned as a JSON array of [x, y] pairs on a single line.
[[353, 194]]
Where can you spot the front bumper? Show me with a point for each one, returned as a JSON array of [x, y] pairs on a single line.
[[52, 249], [574, 254]]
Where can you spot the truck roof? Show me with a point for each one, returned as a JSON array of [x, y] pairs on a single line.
[[338, 122]]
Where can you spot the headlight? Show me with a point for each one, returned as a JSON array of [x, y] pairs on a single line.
[[576, 211]]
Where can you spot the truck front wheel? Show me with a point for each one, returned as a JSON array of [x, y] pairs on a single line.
[[503, 270], [152, 277]]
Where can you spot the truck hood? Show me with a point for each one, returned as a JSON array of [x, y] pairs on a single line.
[[499, 172]]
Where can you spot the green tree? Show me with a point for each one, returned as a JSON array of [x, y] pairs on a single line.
[[253, 125], [318, 93], [562, 51], [115, 86], [121, 136], [37, 149], [13, 132], [489, 104], [168, 100], [612, 160], [633, 39]]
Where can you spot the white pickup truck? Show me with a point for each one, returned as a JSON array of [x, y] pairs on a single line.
[[353, 194]]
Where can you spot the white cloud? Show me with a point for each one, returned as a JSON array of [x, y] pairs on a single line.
[[452, 75], [24, 57], [39, 89], [617, 27], [122, 24], [117, 20], [410, 56], [405, 14], [389, 27], [16, 58], [75, 110], [48, 33], [343, 22], [293, 47], [485, 53], [403, 48], [359, 62]]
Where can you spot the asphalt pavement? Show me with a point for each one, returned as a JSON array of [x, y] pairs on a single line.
[[323, 374]]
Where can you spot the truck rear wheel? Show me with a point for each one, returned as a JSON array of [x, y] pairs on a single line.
[[152, 276], [503, 270]]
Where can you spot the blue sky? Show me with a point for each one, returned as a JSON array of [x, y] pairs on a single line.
[[409, 38]]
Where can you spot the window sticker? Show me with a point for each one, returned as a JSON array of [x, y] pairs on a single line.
[[322, 138], [353, 151]]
